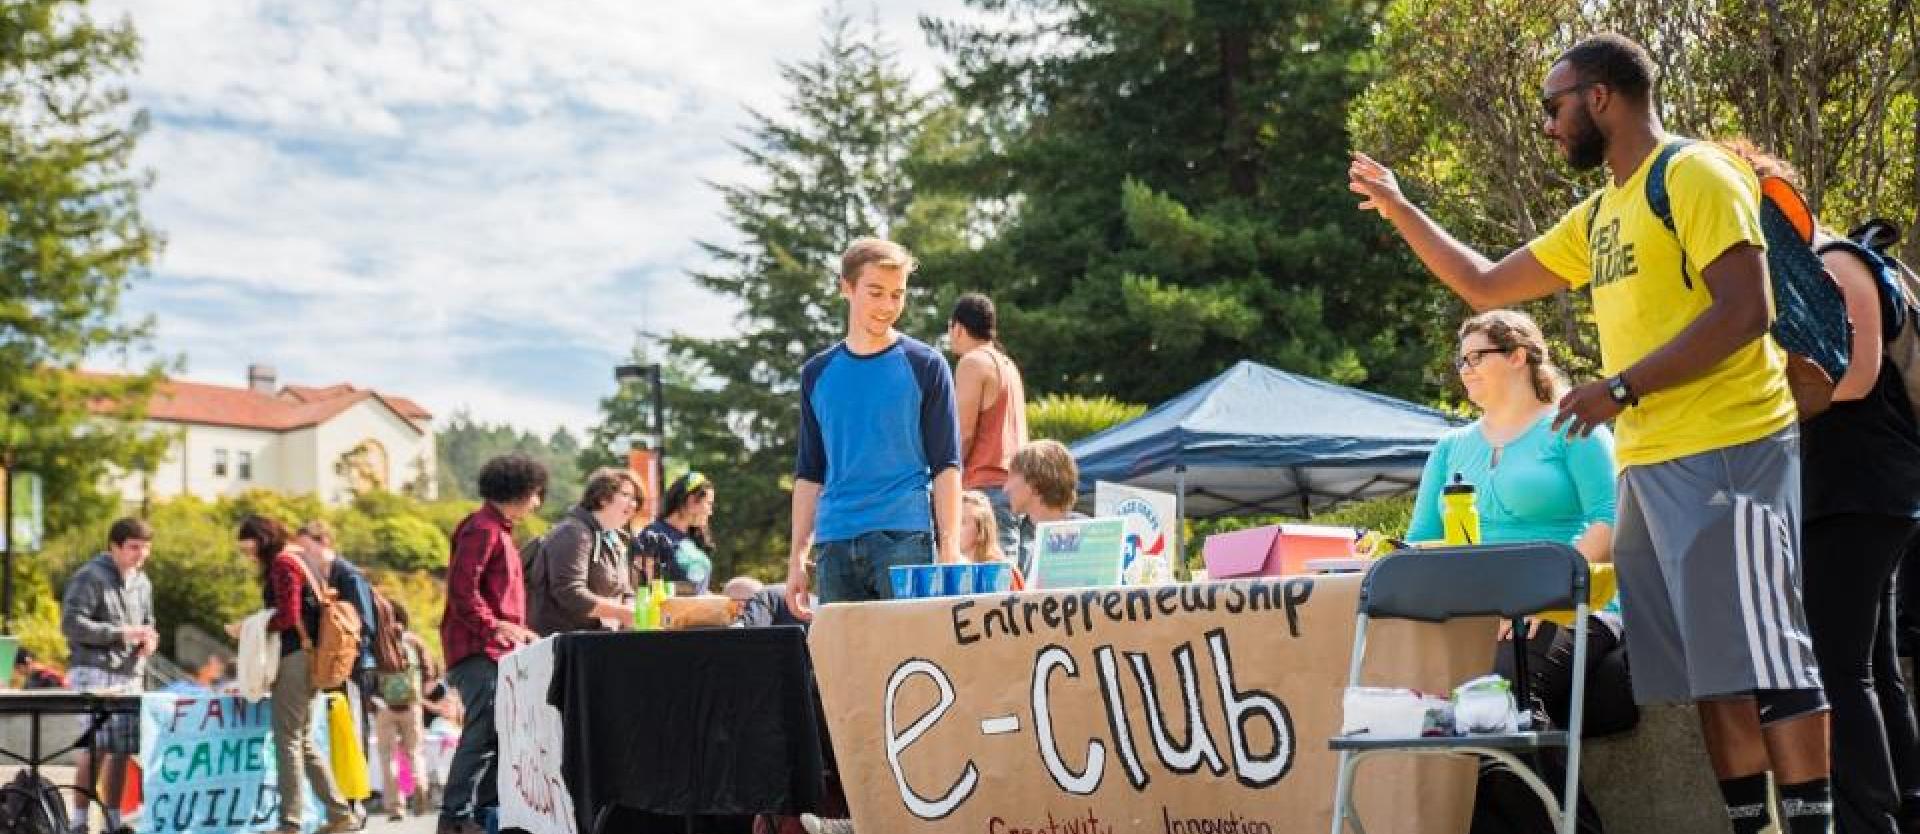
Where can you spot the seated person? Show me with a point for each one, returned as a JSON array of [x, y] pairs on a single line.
[[1042, 484], [1531, 483], [208, 678], [32, 674], [980, 533], [760, 605]]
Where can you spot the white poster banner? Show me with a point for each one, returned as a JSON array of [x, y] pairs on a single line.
[[533, 795], [209, 765], [1150, 518]]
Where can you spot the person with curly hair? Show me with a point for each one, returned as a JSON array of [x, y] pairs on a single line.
[[485, 618]]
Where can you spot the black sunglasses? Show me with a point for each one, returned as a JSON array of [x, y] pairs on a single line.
[[1551, 101]]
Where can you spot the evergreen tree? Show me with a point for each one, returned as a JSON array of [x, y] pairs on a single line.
[[72, 239], [829, 169], [1173, 183], [464, 445]]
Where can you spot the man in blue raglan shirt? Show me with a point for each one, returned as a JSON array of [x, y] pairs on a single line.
[[877, 434]]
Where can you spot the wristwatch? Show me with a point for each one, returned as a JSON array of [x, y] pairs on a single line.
[[1622, 393]]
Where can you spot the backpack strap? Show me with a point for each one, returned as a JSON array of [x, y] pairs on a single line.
[[323, 593], [1661, 202], [1895, 303]]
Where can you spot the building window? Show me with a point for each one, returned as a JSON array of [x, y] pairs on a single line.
[[246, 466], [219, 463]]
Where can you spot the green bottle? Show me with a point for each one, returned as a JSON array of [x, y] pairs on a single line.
[[642, 608]]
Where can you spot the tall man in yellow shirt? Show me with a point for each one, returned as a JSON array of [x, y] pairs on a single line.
[[1708, 525]]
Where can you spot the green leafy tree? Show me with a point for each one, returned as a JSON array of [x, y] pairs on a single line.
[[409, 543], [72, 239], [1454, 105], [465, 444], [827, 170], [1164, 194]]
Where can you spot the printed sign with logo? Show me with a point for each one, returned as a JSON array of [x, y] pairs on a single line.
[[1150, 518], [1083, 553]]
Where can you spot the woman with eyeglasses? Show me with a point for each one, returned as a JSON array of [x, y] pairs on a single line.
[[1531, 483], [577, 576], [678, 547]]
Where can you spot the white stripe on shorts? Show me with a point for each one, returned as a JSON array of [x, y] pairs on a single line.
[[1797, 646], [1750, 543]]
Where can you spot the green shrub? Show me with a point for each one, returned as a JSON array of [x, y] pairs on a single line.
[[408, 543], [1067, 418]]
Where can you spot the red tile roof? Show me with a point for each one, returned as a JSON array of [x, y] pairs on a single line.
[[294, 407]]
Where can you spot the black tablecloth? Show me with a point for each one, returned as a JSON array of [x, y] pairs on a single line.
[[717, 721]]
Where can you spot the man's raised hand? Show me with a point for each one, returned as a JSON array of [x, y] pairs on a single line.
[[1373, 181]]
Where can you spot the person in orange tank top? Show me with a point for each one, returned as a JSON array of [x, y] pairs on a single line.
[[990, 398]]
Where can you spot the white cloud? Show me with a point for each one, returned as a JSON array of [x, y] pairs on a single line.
[[469, 202]]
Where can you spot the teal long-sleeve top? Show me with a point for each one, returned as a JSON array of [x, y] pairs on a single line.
[[1546, 486]]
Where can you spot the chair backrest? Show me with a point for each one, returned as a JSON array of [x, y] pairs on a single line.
[[1508, 580]]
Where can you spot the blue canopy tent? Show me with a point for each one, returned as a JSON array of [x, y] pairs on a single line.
[[1256, 440]]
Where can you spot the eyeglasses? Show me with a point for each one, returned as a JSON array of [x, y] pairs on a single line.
[[1550, 103], [1473, 358]]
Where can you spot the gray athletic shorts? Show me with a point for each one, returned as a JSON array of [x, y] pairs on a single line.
[[1707, 551]]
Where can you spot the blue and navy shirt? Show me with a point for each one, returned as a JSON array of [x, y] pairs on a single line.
[[874, 430]]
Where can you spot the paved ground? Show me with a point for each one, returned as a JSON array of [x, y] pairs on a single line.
[[376, 824]]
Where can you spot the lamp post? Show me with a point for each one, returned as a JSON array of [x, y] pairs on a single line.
[[6, 518], [7, 528], [627, 375]]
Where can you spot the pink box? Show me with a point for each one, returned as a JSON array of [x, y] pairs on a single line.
[[1280, 550]]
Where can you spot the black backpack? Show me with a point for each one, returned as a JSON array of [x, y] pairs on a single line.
[[1872, 244], [31, 805]]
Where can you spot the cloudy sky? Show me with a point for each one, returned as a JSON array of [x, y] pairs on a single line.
[[474, 203]]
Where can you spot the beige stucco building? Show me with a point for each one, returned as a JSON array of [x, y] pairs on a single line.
[[331, 442]]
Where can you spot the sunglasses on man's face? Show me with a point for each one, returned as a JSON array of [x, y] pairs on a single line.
[[1550, 103]]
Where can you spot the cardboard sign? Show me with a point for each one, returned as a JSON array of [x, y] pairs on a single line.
[[1151, 519], [533, 795], [209, 765], [1175, 709], [1083, 553]]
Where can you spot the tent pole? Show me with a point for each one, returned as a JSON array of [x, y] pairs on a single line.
[[1180, 518]]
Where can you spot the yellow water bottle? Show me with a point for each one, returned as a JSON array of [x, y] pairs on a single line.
[[1458, 513]]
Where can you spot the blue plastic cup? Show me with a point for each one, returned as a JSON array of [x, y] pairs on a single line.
[[956, 580], [992, 577], [901, 576], [926, 581]]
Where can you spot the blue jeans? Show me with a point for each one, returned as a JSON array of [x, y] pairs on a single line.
[[855, 570], [1005, 520], [472, 785]]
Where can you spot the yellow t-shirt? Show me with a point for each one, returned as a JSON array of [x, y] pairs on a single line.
[[1641, 302]]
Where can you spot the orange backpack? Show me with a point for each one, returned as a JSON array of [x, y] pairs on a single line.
[[332, 657]]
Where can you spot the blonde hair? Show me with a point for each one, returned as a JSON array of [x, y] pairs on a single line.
[[1511, 330], [985, 546], [870, 251]]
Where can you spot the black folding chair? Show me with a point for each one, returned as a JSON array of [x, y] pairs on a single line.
[[1510, 581]]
